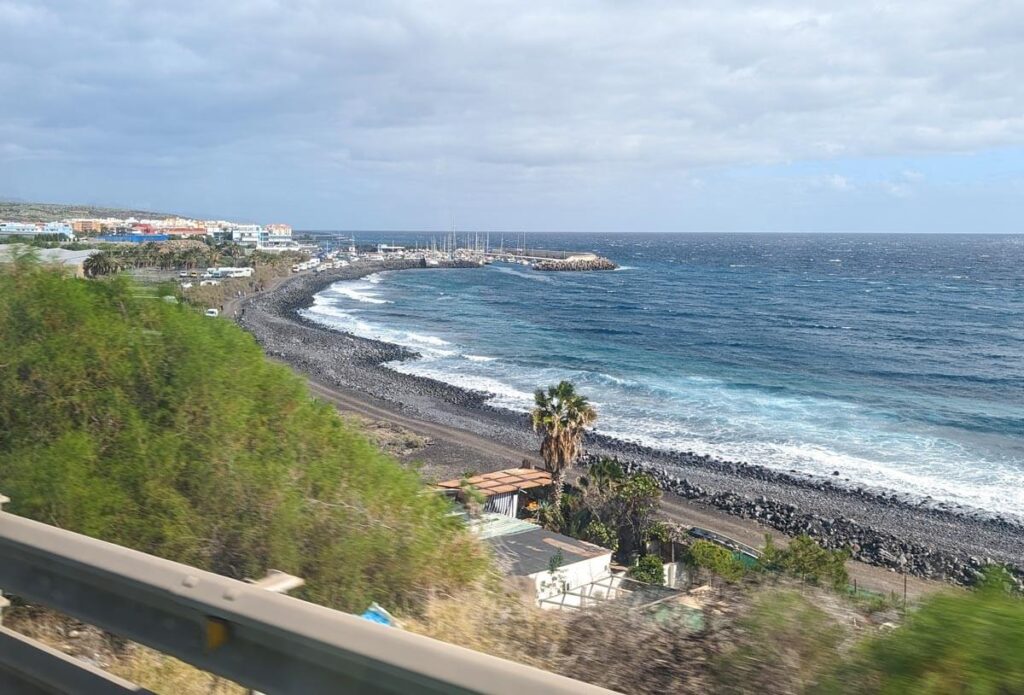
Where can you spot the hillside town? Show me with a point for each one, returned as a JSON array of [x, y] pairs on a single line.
[[272, 238]]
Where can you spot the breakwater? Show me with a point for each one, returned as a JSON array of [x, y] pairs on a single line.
[[578, 264]]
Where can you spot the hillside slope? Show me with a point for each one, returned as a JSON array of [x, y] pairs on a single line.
[[146, 424], [46, 212]]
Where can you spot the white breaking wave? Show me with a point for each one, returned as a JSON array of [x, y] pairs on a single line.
[[505, 395], [360, 296], [427, 339], [479, 358]]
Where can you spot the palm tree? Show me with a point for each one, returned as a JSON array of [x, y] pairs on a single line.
[[561, 414], [101, 263]]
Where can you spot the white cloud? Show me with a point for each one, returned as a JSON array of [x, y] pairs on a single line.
[[839, 183], [646, 84], [509, 97]]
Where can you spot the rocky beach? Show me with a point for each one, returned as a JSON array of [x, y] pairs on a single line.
[[920, 537]]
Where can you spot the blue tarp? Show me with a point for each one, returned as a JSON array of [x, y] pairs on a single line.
[[376, 614]]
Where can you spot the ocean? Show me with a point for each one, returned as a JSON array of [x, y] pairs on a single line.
[[897, 360]]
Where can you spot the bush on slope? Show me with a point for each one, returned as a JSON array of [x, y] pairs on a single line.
[[146, 424]]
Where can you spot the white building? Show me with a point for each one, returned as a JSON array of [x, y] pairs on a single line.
[[252, 235], [561, 572], [18, 229], [59, 229]]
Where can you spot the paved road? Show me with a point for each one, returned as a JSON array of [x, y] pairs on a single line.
[[489, 450]]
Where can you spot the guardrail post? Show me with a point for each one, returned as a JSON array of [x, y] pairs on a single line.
[[3, 601]]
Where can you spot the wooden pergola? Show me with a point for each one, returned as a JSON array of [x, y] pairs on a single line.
[[502, 482]]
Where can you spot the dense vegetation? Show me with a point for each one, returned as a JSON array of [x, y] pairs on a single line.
[[143, 423], [611, 509], [191, 254]]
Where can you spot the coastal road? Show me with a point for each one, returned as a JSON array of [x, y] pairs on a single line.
[[674, 509], [748, 531], [487, 450]]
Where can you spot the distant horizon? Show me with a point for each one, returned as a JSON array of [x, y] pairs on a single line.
[[730, 117], [325, 230]]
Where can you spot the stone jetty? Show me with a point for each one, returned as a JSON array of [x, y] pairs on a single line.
[[588, 262]]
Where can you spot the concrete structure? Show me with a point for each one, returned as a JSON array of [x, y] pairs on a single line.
[[279, 230], [86, 226], [62, 229], [556, 567], [184, 232], [18, 229]]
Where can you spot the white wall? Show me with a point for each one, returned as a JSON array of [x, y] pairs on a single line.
[[570, 577]]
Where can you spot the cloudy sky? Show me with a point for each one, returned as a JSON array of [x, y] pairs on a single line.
[[600, 115]]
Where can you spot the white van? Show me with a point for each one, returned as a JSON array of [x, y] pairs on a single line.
[[212, 312]]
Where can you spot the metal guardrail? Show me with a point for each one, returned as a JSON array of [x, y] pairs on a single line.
[[26, 666], [266, 641]]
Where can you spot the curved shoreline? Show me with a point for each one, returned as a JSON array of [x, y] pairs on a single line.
[[884, 528]]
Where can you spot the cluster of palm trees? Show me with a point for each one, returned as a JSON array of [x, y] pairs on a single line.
[[101, 263], [166, 256], [187, 256], [562, 415]]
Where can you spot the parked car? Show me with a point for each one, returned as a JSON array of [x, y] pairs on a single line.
[[212, 312]]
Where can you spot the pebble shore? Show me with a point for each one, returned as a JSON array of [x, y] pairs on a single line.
[[918, 536]]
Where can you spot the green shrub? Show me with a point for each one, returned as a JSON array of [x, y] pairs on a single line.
[[601, 534], [962, 642], [146, 424], [807, 560], [648, 569], [715, 559], [661, 532]]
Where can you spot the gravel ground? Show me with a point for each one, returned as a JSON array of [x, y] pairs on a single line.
[[918, 536]]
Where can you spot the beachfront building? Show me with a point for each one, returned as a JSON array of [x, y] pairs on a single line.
[[279, 231], [191, 232], [59, 229], [91, 226], [86, 227], [279, 238], [555, 570]]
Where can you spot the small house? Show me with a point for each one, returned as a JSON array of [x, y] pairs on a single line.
[[555, 568]]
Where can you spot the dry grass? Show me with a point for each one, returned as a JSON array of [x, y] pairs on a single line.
[[767, 639], [149, 669], [396, 440]]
